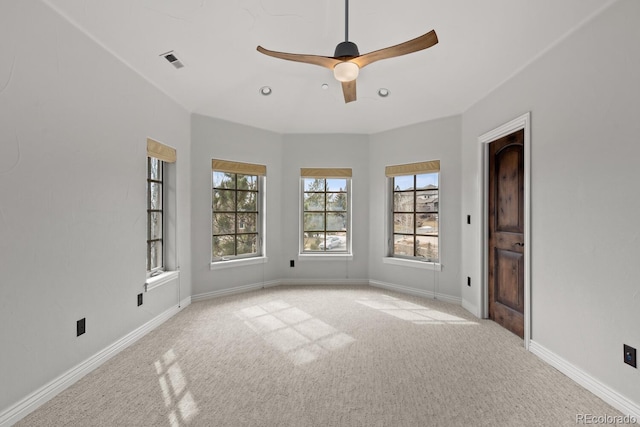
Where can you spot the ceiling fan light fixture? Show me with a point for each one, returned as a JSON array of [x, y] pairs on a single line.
[[346, 71]]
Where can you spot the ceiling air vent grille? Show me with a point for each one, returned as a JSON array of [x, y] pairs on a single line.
[[173, 59]]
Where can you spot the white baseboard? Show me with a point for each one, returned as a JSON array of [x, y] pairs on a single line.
[[416, 291], [604, 392], [24, 407], [330, 282], [235, 290], [471, 309]]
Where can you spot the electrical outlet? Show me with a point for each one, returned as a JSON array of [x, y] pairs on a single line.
[[468, 219], [139, 300], [80, 326], [292, 263], [630, 355], [468, 281]]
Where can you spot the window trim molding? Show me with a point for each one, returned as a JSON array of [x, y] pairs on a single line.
[[406, 262], [389, 223], [160, 279], [238, 262], [261, 224], [348, 252]]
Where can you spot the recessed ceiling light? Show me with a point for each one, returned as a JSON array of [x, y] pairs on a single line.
[[324, 86], [265, 90], [383, 92]]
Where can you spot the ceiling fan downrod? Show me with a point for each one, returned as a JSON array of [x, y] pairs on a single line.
[[346, 48]]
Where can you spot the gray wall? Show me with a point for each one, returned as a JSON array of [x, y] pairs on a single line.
[[435, 140], [73, 127], [219, 139], [583, 97]]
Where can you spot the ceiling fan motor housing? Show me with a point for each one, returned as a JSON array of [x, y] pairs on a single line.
[[346, 49]]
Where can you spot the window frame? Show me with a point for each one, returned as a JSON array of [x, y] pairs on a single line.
[[348, 232], [260, 221], [152, 272], [391, 222]]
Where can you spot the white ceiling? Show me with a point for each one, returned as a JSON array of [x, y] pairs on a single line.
[[482, 44]]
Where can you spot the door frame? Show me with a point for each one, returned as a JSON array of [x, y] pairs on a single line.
[[521, 122]]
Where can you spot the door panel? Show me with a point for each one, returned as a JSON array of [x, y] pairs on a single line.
[[506, 232]]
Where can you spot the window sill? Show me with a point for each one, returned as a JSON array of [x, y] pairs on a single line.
[[325, 257], [219, 265], [160, 279], [412, 263]]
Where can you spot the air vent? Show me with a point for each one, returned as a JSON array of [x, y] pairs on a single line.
[[173, 59]]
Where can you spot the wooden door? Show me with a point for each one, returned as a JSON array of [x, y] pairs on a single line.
[[506, 232]]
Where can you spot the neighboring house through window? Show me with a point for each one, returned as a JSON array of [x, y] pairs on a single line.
[[326, 210], [237, 210], [415, 200]]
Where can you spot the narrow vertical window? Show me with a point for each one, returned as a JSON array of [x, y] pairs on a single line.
[[415, 192], [155, 215], [237, 210], [326, 210]]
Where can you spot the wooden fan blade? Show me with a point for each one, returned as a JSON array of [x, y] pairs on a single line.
[[349, 91], [419, 43], [323, 61]]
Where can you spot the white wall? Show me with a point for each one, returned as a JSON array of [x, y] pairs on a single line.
[[214, 138], [583, 97], [434, 140], [73, 127], [325, 151]]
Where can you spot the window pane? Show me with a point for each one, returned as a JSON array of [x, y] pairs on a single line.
[[155, 171], [156, 255], [223, 246], [403, 223], [427, 181], [155, 225], [224, 223], [224, 200], [336, 242], [247, 182], [336, 221], [427, 224], [313, 222], [247, 244], [403, 202], [155, 190], [247, 223], [224, 180], [337, 201], [403, 183], [336, 185], [427, 201], [427, 247], [314, 201], [313, 241], [247, 201], [402, 245], [313, 184]]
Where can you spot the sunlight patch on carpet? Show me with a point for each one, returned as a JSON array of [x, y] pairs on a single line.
[[300, 336], [173, 384], [411, 312]]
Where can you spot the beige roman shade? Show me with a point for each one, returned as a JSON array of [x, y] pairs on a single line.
[[325, 172], [413, 168], [161, 151], [237, 167]]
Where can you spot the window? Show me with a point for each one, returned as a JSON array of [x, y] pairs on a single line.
[[157, 155], [155, 215], [237, 210], [415, 210], [326, 210]]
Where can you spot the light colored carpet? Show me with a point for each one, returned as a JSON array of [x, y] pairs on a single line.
[[323, 356]]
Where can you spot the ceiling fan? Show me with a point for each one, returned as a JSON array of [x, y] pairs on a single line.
[[346, 62]]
